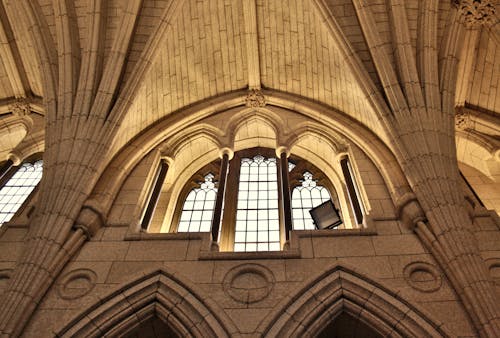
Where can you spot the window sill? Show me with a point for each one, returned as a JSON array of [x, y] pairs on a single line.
[[210, 252], [334, 233], [145, 236], [229, 255]]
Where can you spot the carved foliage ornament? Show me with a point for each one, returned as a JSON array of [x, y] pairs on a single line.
[[255, 98], [462, 120], [476, 12], [20, 107]]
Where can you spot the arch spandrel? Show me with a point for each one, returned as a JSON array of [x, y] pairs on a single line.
[[307, 312], [161, 295]]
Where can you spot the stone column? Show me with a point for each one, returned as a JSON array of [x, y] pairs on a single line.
[[282, 154], [226, 155]]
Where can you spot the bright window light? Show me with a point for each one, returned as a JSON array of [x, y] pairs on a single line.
[[18, 188]]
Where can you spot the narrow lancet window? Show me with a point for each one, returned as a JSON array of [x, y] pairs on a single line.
[[304, 198], [198, 208], [257, 215], [18, 188], [353, 190], [155, 194]]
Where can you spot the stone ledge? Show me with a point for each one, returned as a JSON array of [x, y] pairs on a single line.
[[144, 236], [334, 233], [229, 255]]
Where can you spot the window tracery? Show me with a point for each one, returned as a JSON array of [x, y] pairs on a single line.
[[17, 189], [252, 216], [199, 206], [305, 197]]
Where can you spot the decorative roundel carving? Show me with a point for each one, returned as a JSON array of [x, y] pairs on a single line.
[[5, 275], [494, 267], [77, 283], [423, 276], [248, 283]]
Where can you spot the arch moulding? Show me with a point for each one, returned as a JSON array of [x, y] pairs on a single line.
[[342, 290], [337, 122], [159, 294]]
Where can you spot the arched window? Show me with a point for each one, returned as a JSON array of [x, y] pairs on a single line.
[[199, 206], [253, 212], [17, 189], [305, 197]]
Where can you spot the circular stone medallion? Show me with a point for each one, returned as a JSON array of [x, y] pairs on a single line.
[[248, 283], [77, 283], [423, 276]]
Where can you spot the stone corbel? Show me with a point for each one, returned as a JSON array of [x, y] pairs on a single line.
[[90, 220], [409, 210]]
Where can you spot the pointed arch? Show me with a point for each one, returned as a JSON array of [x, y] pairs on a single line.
[[342, 290], [332, 121], [159, 294]]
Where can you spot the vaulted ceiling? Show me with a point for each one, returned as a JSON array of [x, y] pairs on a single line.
[[182, 52]]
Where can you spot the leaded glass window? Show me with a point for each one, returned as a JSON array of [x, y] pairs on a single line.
[[257, 215], [305, 197], [18, 188], [199, 206]]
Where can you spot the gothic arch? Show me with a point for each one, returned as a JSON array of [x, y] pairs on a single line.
[[336, 122], [159, 294], [342, 290]]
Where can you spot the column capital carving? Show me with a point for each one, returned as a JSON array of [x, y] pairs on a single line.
[[476, 12], [20, 107], [255, 98]]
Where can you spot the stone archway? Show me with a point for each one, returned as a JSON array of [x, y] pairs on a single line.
[[158, 298], [342, 294]]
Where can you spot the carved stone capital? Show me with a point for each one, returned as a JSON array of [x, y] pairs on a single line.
[[20, 107], [255, 98], [476, 12]]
